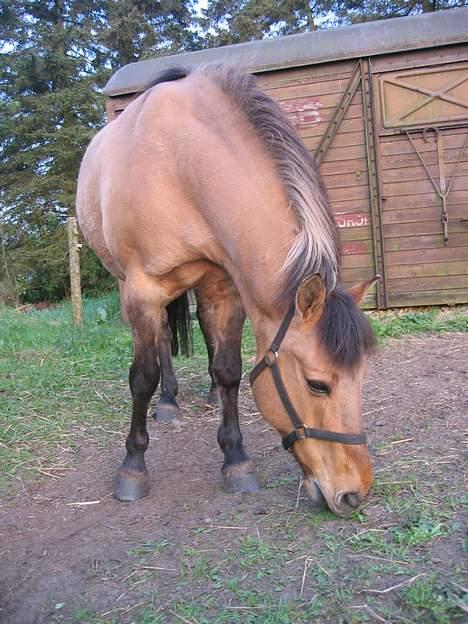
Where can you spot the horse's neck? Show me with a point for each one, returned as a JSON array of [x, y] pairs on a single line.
[[250, 218]]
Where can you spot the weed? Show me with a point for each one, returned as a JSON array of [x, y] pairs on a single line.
[[253, 551], [150, 547], [318, 518], [431, 601], [396, 324], [419, 532]]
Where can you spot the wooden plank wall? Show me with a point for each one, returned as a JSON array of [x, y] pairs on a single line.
[[420, 269], [310, 96]]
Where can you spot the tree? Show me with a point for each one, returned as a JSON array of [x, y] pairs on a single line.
[[55, 57], [135, 30], [371, 10], [234, 21]]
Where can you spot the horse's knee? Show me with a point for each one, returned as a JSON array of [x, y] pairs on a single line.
[[144, 376], [227, 370]]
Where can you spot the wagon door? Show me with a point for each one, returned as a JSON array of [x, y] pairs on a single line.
[[422, 125]]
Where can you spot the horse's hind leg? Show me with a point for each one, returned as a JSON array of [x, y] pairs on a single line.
[[132, 477], [166, 408], [224, 317], [204, 317]]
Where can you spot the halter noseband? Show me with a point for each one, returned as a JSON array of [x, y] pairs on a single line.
[[301, 431]]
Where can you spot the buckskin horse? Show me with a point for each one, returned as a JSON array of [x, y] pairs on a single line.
[[202, 182], [176, 337]]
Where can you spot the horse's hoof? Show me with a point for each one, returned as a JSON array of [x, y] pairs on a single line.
[[212, 398], [166, 412], [131, 485], [241, 477]]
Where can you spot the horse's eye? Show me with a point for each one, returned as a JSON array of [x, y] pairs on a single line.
[[318, 387]]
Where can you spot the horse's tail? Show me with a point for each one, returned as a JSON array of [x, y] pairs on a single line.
[[178, 315]]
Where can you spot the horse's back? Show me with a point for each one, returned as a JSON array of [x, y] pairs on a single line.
[[174, 179], [131, 200]]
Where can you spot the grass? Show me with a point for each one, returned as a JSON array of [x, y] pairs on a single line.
[[395, 324], [48, 371], [292, 566]]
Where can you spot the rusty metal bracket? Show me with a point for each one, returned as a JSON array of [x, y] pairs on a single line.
[[442, 188], [339, 113]]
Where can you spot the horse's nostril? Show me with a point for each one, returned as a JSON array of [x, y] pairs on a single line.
[[348, 501]]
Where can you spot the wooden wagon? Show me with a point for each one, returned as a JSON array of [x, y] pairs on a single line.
[[384, 108]]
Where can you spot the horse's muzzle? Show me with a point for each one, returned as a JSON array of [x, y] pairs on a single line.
[[316, 497]]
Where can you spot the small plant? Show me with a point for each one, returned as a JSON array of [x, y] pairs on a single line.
[[428, 597], [254, 550], [150, 547], [419, 532]]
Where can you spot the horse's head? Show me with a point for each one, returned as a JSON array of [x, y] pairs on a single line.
[[322, 362]]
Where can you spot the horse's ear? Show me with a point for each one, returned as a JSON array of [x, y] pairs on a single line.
[[359, 291], [310, 298]]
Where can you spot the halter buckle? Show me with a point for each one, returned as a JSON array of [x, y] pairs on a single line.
[[271, 357], [301, 435]]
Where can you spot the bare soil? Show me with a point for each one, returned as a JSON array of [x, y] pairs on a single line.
[[66, 547]]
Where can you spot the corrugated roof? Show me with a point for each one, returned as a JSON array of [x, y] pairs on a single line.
[[368, 39]]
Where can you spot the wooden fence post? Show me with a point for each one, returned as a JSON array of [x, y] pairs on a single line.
[[123, 308], [75, 280]]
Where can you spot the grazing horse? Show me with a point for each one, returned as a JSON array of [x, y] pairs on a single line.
[[202, 182], [176, 337]]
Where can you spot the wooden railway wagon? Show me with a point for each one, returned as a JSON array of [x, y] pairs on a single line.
[[384, 108]]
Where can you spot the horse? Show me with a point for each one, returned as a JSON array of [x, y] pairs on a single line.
[[202, 182], [176, 337]]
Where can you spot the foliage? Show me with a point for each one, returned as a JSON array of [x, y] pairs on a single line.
[[56, 55], [234, 21], [370, 10]]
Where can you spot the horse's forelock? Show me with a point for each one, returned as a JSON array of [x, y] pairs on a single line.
[[344, 330]]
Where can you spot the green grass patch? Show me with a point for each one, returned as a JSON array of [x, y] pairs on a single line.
[[394, 324], [432, 601]]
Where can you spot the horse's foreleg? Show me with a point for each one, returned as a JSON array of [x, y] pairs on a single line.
[[132, 477], [204, 318], [225, 316], [167, 408]]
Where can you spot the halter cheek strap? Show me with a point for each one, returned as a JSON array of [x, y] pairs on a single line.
[[300, 431]]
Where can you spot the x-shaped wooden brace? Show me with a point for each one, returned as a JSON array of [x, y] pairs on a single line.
[[432, 95]]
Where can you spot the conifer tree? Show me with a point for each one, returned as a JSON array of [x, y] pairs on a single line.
[[55, 56], [234, 21]]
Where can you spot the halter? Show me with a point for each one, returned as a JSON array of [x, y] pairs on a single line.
[[301, 431]]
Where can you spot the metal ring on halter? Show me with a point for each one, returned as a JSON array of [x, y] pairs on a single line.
[[271, 357]]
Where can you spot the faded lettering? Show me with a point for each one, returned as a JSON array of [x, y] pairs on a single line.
[[303, 111], [352, 220]]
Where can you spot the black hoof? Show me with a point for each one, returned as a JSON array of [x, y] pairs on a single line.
[[212, 398], [166, 412], [131, 485], [241, 477]]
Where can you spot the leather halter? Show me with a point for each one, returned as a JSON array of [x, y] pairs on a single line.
[[301, 431]]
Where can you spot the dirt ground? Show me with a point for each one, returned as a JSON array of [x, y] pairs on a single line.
[[67, 548]]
